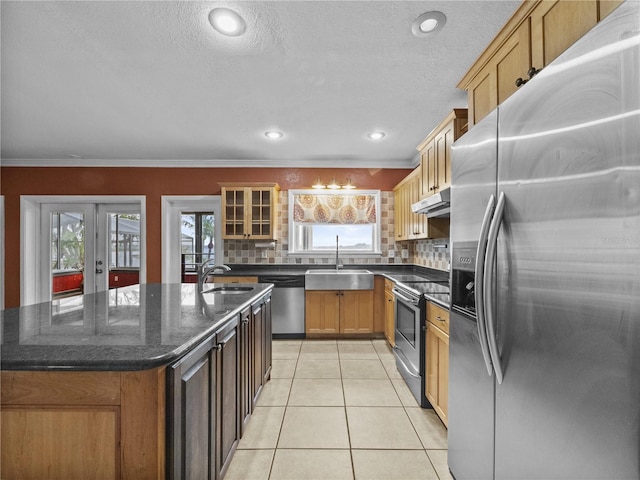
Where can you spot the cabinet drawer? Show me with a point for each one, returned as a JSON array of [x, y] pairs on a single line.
[[227, 279], [438, 316]]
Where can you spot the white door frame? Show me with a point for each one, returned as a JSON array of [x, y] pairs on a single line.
[[172, 207], [30, 231]]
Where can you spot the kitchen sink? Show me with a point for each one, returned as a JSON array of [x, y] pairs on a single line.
[[343, 279], [229, 290]]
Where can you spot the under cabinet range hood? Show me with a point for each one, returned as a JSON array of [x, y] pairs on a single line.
[[436, 205]]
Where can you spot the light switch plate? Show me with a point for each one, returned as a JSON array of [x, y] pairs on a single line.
[[405, 253], [391, 253]]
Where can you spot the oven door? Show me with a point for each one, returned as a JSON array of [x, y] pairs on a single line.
[[408, 340]]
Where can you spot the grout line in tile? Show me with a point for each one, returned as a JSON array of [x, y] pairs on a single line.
[[351, 449], [428, 458], [275, 450]]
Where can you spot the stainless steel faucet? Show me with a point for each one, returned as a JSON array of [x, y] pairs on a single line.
[[206, 269]]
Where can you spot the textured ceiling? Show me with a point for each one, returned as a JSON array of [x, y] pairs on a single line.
[[151, 83]]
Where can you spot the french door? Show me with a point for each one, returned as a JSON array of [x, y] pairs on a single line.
[[88, 247]]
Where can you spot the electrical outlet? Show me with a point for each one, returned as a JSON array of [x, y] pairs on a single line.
[[405, 253], [391, 253], [264, 254]]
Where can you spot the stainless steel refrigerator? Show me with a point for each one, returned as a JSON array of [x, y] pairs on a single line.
[[544, 379]]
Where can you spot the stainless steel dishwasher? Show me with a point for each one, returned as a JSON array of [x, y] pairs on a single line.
[[287, 305]]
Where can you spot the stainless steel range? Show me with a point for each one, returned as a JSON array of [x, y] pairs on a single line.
[[410, 310]]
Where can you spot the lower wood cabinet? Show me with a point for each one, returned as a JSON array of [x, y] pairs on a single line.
[[437, 360], [193, 393], [246, 369], [228, 400], [82, 424], [389, 313], [260, 346], [212, 392], [332, 312], [230, 279]]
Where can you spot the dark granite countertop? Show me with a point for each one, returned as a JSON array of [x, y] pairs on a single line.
[[389, 270], [130, 328], [397, 273]]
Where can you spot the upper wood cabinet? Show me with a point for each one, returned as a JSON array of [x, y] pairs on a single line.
[[536, 34], [249, 210], [556, 25], [435, 152], [432, 175], [409, 225]]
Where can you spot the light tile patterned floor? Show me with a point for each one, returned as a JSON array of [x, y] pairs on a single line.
[[338, 409]]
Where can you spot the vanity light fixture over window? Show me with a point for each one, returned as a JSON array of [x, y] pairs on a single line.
[[333, 185]]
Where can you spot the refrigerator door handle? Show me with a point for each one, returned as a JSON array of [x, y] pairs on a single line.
[[479, 292], [490, 258]]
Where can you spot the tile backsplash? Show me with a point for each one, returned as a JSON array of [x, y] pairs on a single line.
[[428, 253]]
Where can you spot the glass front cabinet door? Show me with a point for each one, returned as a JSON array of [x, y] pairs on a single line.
[[249, 210]]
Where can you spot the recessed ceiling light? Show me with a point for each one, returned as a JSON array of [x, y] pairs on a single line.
[[227, 22], [428, 23], [376, 135], [273, 135]]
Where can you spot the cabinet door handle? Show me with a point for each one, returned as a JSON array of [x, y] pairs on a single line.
[[532, 72], [440, 319]]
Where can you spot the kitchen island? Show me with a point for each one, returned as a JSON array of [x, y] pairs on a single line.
[[148, 381]]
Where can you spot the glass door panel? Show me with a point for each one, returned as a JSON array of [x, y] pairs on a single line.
[[118, 249], [67, 251], [197, 242], [234, 212]]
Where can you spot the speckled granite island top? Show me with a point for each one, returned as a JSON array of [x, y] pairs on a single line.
[[132, 328]]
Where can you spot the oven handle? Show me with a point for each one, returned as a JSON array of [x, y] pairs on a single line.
[[406, 299], [479, 287], [492, 243], [399, 355]]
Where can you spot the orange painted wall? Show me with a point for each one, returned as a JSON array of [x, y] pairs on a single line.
[[153, 183]]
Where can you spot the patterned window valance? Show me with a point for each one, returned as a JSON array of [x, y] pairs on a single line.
[[340, 208]]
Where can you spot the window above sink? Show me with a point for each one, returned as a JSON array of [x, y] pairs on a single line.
[[315, 219]]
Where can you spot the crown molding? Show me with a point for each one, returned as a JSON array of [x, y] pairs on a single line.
[[211, 163]]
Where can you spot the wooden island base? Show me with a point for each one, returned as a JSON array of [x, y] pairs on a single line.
[[101, 424]]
